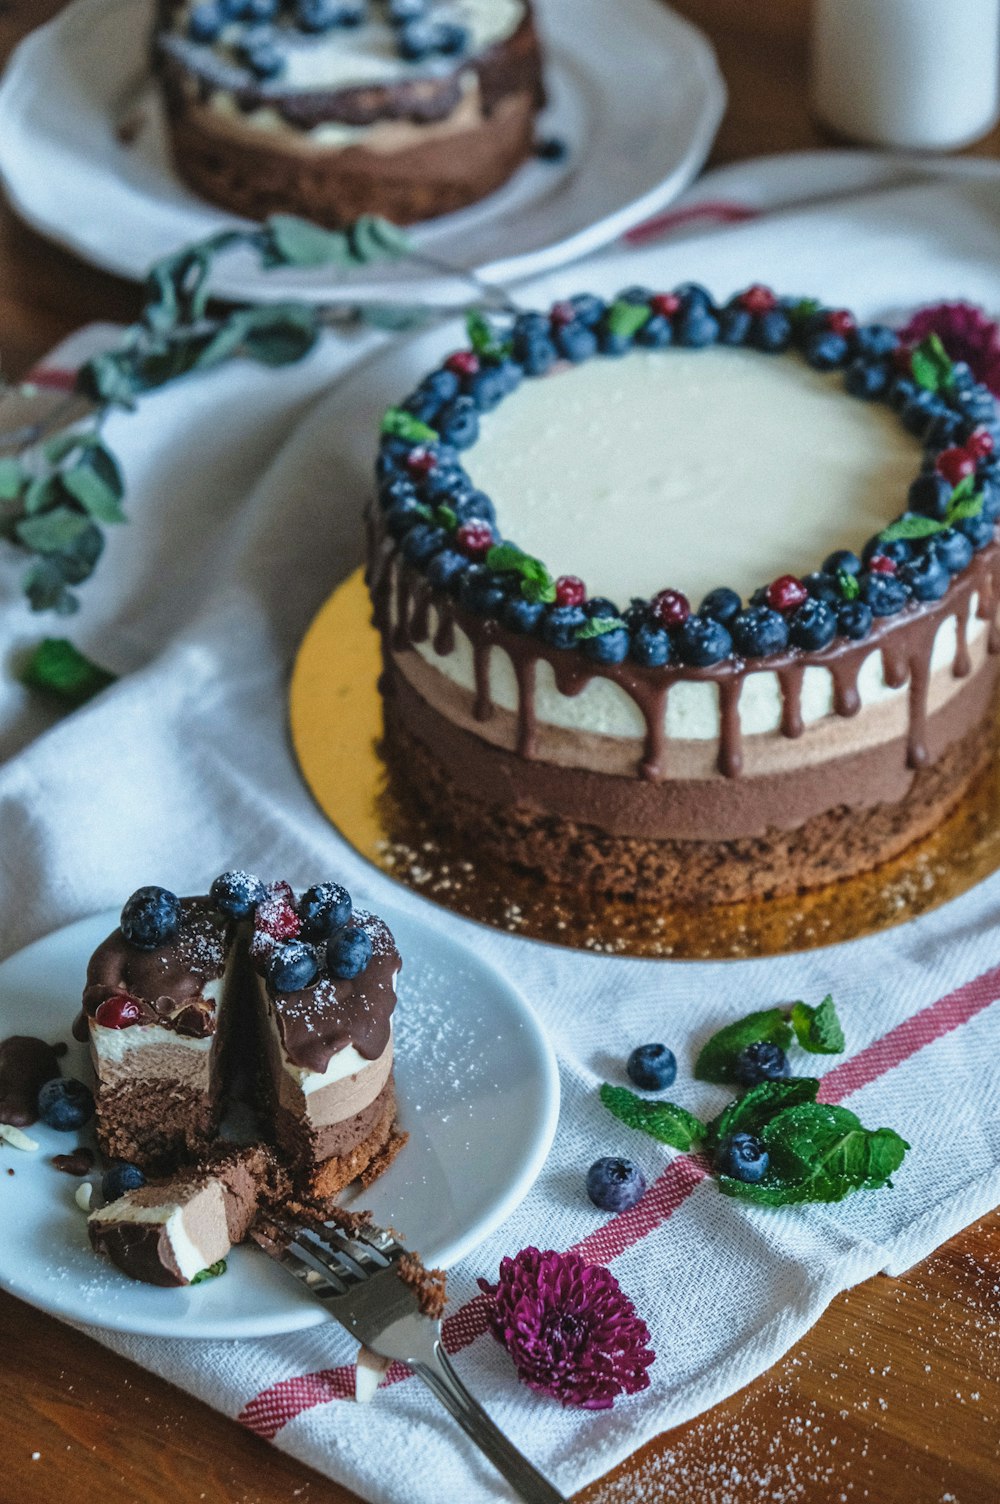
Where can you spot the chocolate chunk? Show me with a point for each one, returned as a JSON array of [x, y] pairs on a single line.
[[25, 1065], [78, 1163]]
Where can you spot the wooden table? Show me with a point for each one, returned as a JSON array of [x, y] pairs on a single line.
[[894, 1396]]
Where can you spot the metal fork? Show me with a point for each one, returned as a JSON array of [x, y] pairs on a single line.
[[357, 1281]]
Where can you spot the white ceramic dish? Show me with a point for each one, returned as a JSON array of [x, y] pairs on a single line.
[[635, 91], [479, 1093]]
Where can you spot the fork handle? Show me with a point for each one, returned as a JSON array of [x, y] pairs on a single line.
[[526, 1481]]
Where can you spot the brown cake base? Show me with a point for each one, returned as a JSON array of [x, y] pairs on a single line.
[[324, 1162], [567, 855], [156, 1125]]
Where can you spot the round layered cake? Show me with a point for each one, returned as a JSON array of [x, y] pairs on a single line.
[[333, 109], [688, 600]]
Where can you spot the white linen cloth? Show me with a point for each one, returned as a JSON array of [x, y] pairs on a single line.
[[240, 528]]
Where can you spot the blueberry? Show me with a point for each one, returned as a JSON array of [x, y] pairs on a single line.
[[614, 344], [511, 373], [151, 918], [551, 149], [813, 625], [884, 593], [721, 605], [232, 10], [771, 332], [759, 1062], [695, 297], [575, 342], [65, 1104], [481, 590], [825, 352], [444, 384], [867, 378], [599, 605], [875, 341], [422, 541], [537, 356], [656, 333], [589, 308], [917, 413], [854, 620], [205, 22], [978, 530], [422, 403], [417, 39], [651, 646], [735, 325], [120, 1177], [942, 430], [532, 325], [953, 548], [695, 328], [236, 894], [901, 391], [348, 953], [899, 550], [487, 389], [640, 296], [758, 631], [395, 488], [978, 404], [637, 614], [258, 12], [560, 625], [842, 561], [743, 1157], [404, 515], [610, 647], [823, 587], [702, 641], [929, 495], [926, 576], [323, 910], [615, 1184], [292, 966], [962, 379], [444, 568], [406, 10], [474, 506], [458, 423], [652, 1067], [452, 38], [521, 615], [264, 59]]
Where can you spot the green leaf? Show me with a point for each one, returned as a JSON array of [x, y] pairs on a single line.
[[718, 1055], [537, 585], [803, 309], [849, 587], [829, 1147], [399, 424], [12, 478], [105, 466], [53, 532], [94, 495], [60, 669], [751, 1112], [45, 586], [43, 492], [664, 1121], [818, 1029], [109, 379], [931, 365], [62, 444], [627, 318], [911, 526], [597, 626], [373, 238], [959, 510], [447, 517], [291, 241], [280, 333], [212, 1272], [484, 339]]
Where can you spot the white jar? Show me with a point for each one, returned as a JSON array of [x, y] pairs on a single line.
[[919, 74]]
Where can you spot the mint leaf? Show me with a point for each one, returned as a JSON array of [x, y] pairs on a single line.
[[537, 585], [598, 626], [803, 309], [829, 1148], [484, 339], [818, 1029], [957, 510], [664, 1121], [755, 1109], [931, 365], [627, 318], [212, 1272], [399, 424], [849, 587], [446, 517], [718, 1055], [911, 526], [60, 669]]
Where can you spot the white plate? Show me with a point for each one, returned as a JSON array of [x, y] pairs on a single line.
[[479, 1093], [635, 90]]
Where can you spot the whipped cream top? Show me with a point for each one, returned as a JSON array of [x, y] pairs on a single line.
[[690, 469]]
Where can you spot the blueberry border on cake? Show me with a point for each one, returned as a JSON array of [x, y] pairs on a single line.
[[449, 532]]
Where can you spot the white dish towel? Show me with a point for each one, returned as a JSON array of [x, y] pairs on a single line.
[[183, 769]]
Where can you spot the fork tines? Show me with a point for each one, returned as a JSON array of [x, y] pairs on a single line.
[[322, 1248]]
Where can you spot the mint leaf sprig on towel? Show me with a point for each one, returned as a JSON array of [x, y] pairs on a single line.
[[817, 1029]]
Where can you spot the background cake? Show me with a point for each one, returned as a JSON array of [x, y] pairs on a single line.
[[336, 108], [707, 613]]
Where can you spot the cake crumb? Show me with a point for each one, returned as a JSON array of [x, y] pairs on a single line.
[[429, 1285]]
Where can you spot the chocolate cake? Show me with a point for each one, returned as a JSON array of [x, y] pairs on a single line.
[[770, 657], [333, 109]]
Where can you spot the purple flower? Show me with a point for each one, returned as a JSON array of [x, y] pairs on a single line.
[[569, 1327], [966, 333]]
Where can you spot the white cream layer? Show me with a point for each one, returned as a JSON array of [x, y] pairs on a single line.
[[690, 469], [346, 1062], [692, 707], [112, 1046], [189, 1257]]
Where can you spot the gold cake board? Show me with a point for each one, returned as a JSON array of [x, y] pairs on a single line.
[[336, 728]]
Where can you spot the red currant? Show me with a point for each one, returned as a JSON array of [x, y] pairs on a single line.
[[841, 322], [276, 917], [786, 593], [463, 363], [475, 539], [118, 1011], [570, 591], [562, 314], [881, 564], [757, 299], [955, 465], [980, 443], [665, 304], [421, 461], [671, 608]]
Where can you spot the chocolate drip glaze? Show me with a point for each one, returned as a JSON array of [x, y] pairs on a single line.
[[167, 982], [320, 1021], [25, 1066], [905, 641]]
